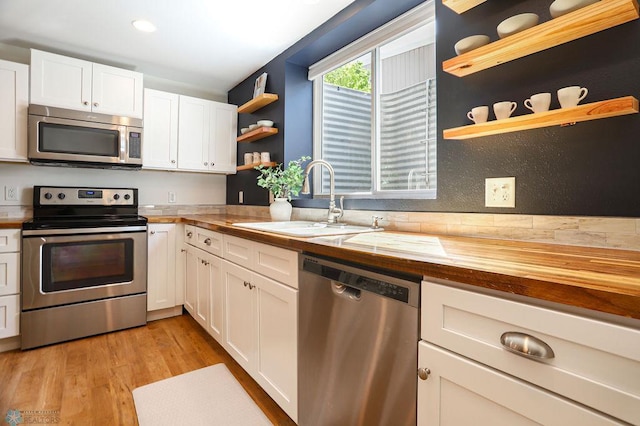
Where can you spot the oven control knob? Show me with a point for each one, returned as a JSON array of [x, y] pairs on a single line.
[[127, 196], [48, 195], [61, 195], [116, 196]]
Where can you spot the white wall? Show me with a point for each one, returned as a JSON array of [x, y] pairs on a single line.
[[154, 186]]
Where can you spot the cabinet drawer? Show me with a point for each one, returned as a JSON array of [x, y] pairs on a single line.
[[595, 362], [9, 316], [9, 277], [9, 240], [277, 263], [274, 262], [207, 240]]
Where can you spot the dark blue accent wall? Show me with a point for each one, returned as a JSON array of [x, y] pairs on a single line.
[[591, 168]]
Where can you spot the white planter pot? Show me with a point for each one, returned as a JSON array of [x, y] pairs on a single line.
[[280, 210]]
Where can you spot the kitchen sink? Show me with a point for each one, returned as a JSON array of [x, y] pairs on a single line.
[[303, 228]]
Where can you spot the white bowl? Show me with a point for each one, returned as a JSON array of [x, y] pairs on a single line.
[[265, 123], [517, 23], [244, 130], [467, 44], [253, 126], [562, 7]]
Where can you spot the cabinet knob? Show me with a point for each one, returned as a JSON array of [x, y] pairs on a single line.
[[152, 232], [208, 241], [85, 103], [189, 234], [248, 284], [206, 164], [205, 262], [173, 161], [423, 373], [95, 104], [182, 250]]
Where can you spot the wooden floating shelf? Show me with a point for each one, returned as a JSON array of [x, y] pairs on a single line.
[[461, 6], [593, 111], [580, 23], [257, 103], [256, 134], [251, 166]]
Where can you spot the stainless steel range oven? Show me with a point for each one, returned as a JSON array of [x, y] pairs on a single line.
[[84, 264]]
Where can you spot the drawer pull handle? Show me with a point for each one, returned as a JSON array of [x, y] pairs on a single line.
[[189, 234], [208, 241], [526, 345], [423, 373]]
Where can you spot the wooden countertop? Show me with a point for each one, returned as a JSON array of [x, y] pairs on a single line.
[[604, 280]]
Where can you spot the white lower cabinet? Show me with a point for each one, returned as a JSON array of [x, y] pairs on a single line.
[[245, 295], [261, 331], [517, 363], [9, 283], [459, 391], [161, 266]]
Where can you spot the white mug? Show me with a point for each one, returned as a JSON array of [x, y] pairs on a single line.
[[478, 114], [539, 102], [504, 109], [570, 96]]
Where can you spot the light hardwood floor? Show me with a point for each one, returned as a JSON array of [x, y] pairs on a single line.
[[89, 381]]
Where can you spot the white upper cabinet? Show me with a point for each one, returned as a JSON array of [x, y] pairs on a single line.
[[206, 135], [14, 103], [65, 82], [160, 149]]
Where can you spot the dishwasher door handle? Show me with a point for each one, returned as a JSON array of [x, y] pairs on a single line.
[[347, 292]]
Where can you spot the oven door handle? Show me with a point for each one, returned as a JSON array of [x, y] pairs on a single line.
[[78, 231]]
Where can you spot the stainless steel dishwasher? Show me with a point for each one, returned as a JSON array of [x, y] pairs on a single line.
[[358, 337]]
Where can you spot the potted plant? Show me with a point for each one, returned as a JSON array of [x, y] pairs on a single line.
[[283, 183]]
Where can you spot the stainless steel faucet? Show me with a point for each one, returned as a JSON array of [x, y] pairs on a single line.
[[334, 212]]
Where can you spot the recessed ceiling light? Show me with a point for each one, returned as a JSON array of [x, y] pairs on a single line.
[[143, 25]]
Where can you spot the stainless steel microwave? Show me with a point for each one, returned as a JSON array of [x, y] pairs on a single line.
[[66, 137]]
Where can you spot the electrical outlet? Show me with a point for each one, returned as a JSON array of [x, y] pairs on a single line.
[[240, 197], [500, 192], [10, 193], [172, 197]]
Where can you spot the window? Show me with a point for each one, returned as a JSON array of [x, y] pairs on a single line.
[[375, 112]]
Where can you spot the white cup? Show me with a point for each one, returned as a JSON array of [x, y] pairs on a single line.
[[478, 114], [248, 158], [570, 96], [539, 102], [265, 157], [504, 109]]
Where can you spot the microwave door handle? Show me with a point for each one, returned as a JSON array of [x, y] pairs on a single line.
[[122, 130]]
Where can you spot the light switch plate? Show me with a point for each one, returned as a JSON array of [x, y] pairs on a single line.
[[500, 192]]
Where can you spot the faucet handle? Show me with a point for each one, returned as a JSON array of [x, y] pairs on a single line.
[[374, 221], [341, 206]]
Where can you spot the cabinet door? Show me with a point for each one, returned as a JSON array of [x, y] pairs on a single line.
[[193, 133], [239, 314], [116, 91], [216, 297], [201, 313], [190, 279], [9, 275], [459, 391], [160, 148], [223, 144], [60, 81], [9, 316], [14, 104], [277, 340], [161, 243]]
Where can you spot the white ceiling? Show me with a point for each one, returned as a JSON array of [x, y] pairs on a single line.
[[210, 44]]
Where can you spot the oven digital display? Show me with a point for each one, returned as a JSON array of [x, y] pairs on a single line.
[[86, 193]]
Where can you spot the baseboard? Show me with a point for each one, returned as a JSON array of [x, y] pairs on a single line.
[[164, 313], [9, 344]]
